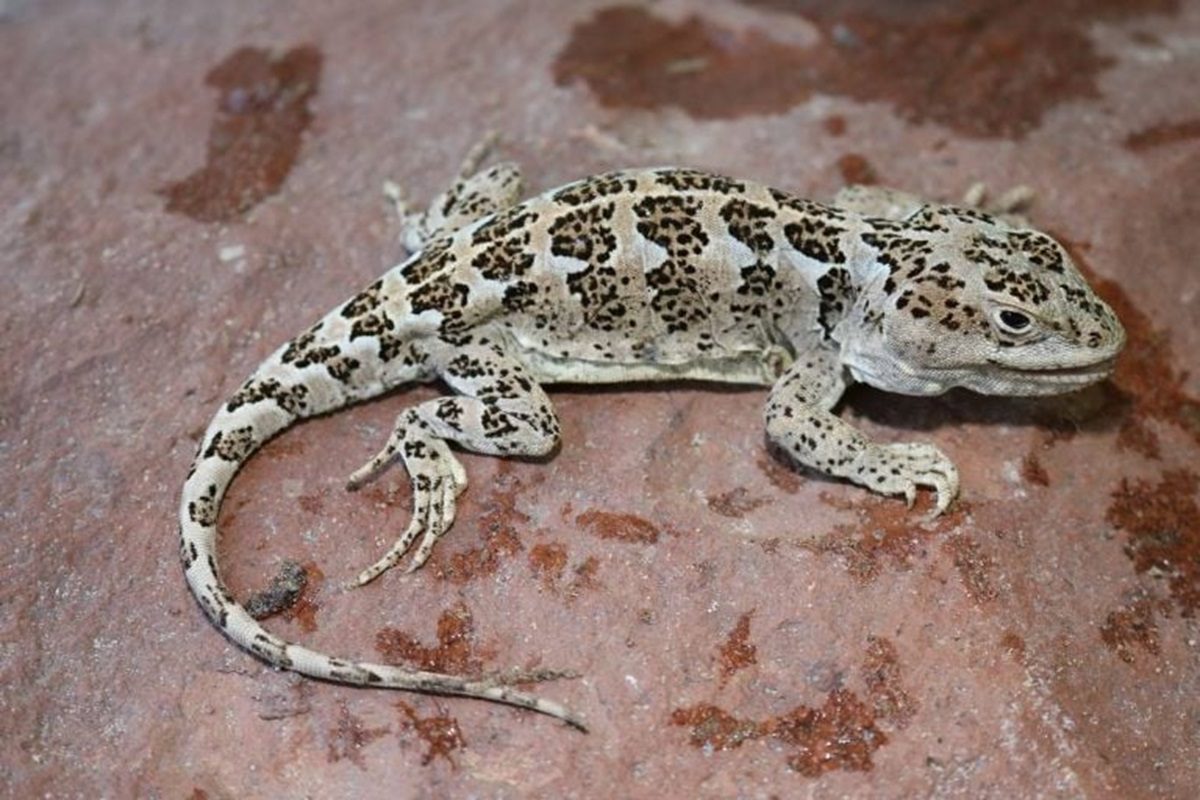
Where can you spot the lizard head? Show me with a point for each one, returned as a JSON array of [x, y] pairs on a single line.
[[961, 298]]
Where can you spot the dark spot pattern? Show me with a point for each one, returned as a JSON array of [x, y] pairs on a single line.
[[503, 225], [292, 399], [836, 296], [750, 224], [1041, 251], [364, 302], [435, 259], [677, 289], [757, 291], [303, 351], [203, 510], [585, 233], [1023, 287], [520, 296], [694, 180], [444, 295], [817, 238], [598, 187], [510, 258], [231, 445]]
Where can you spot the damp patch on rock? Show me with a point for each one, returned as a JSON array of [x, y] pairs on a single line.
[[262, 114], [981, 68]]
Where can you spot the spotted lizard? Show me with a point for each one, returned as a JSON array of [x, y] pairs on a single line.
[[643, 275]]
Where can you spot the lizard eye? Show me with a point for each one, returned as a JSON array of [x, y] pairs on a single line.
[[1013, 322]]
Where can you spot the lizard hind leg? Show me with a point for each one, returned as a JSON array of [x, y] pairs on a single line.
[[499, 410]]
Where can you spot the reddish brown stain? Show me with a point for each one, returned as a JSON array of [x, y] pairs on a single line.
[[840, 734], [311, 503], [585, 577], [980, 67], [881, 674], [714, 727], [974, 567], [1164, 134], [262, 113], [856, 169], [1033, 471], [834, 125], [1162, 523], [349, 736], [737, 653], [622, 527], [1014, 645], [198, 794], [1145, 377], [440, 733], [453, 654], [548, 562], [1132, 625], [887, 532], [499, 522], [781, 476], [736, 503], [769, 546]]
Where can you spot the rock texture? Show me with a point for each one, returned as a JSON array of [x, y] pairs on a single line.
[[184, 186]]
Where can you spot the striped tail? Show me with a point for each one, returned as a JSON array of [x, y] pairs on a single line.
[[320, 371]]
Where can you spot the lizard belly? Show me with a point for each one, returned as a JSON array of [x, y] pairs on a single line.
[[759, 366]]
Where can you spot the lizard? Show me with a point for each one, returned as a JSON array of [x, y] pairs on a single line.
[[645, 275]]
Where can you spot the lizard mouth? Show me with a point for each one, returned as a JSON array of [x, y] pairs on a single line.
[[1104, 365], [1076, 375]]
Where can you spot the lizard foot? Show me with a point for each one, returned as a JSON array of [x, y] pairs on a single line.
[[1011, 206], [437, 480], [898, 469]]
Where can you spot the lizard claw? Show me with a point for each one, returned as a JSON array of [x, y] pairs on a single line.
[[902, 468]]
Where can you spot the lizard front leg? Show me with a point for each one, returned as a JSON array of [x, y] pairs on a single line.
[[799, 419], [474, 194], [500, 410]]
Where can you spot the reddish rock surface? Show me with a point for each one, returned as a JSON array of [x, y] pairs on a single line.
[[184, 186]]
